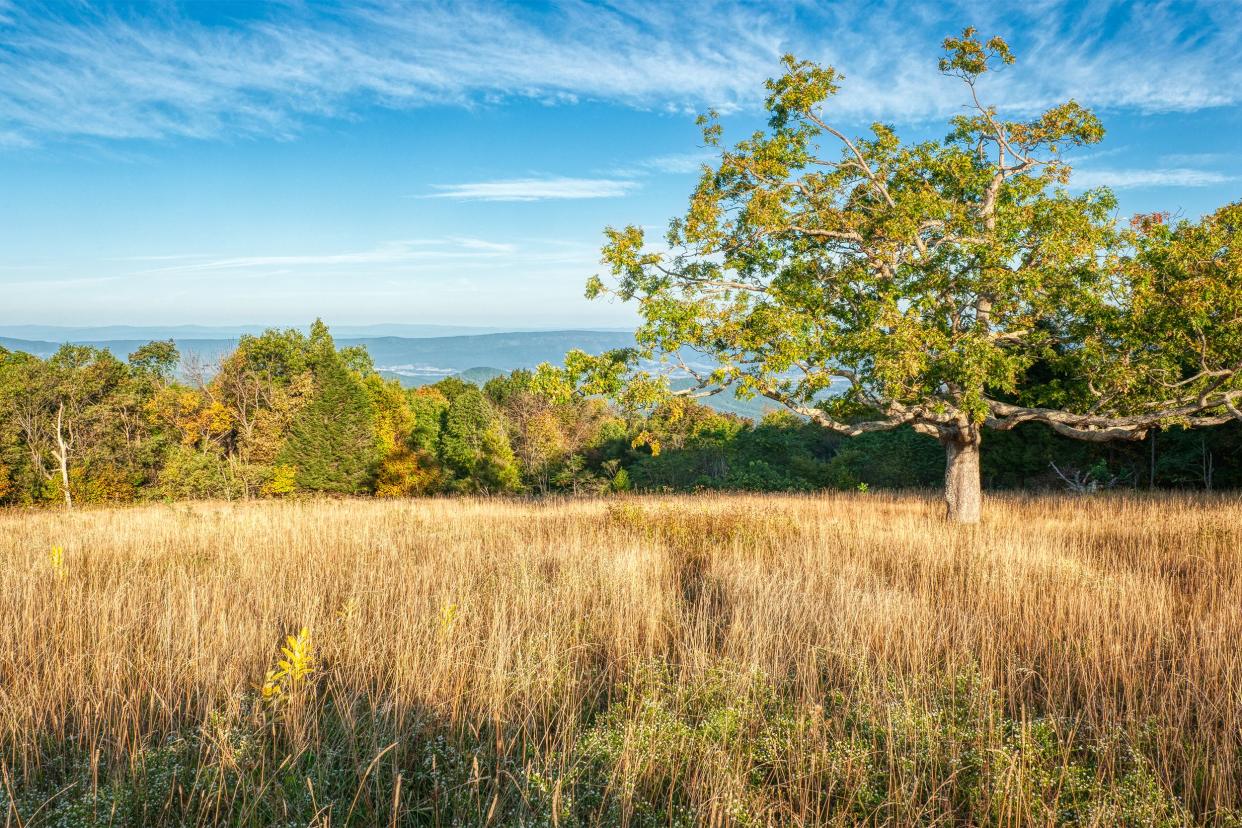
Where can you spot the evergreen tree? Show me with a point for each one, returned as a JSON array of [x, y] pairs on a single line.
[[332, 442], [475, 446], [429, 407]]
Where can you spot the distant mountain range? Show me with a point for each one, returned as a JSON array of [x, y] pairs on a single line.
[[415, 359], [440, 356], [407, 356], [63, 333]]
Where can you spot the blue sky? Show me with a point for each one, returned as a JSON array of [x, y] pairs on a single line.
[[455, 163]]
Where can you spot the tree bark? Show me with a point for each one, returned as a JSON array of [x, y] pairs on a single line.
[[62, 455], [963, 495]]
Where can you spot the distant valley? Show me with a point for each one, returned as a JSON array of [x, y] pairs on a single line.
[[416, 359]]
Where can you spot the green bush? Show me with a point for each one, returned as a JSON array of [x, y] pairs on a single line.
[[191, 474]]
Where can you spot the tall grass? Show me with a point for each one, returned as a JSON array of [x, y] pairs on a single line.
[[719, 660]]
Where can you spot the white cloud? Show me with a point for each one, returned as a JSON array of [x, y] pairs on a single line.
[[679, 163], [149, 71], [481, 244], [535, 189], [415, 251], [438, 256], [1122, 179], [1180, 159]]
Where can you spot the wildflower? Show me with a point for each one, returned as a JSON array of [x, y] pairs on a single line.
[[57, 560], [272, 688], [448, 617], [297, 667], [348, 609], [299, 661]]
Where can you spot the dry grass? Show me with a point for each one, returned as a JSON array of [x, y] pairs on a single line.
[[706, 660]]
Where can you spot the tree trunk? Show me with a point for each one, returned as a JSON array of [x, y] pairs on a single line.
[[962, 493], [62, 455]]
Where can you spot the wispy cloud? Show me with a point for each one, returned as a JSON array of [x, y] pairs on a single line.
[[1184, 158], [155, 71], [59, 284], [677, 163], [535, 189], [446, 280], [442, 256], [480, 244], [1121, 179], [388, 253]]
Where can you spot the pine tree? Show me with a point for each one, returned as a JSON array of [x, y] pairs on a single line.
[[332, 442], [476, 448]]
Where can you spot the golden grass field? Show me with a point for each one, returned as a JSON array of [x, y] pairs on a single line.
[[714, 660]]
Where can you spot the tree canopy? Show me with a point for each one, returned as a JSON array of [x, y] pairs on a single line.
[[952, 285]]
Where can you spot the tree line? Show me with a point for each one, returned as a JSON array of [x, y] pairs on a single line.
[[289, 413]]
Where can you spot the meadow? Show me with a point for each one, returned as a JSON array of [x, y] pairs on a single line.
[[837, 659]]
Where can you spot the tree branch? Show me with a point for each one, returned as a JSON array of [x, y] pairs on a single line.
[[1095, 428]]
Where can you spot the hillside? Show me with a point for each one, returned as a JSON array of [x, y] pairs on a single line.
[[88, 333], [415, 357]]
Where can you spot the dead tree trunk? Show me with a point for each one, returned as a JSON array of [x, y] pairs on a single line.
[[62, 455]]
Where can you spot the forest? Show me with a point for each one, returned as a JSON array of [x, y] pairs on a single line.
[[290, 414]]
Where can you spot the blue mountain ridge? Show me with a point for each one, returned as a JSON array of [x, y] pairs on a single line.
[[418, 361]]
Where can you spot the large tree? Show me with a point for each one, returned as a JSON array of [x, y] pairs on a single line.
[[475, 447], [332, 442], [951, 286], [71, 410]]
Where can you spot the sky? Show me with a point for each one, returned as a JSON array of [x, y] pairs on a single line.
[[455, 163]]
